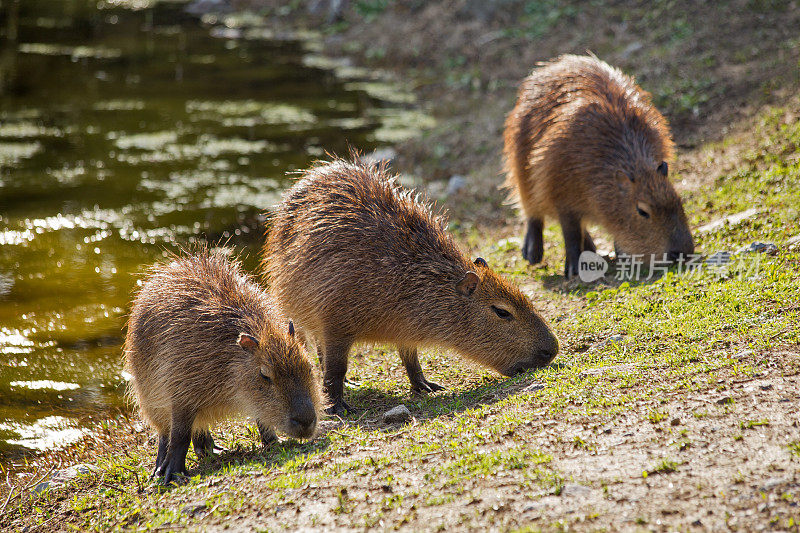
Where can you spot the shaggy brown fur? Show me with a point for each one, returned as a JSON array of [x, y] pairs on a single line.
[[352, 258], [585, 145], [204, 341]]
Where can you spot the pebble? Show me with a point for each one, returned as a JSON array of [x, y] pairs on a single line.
[[456, 184], [731, 220], [773, 482], [573, 490], [533, 387], [759, 248], [61, 477], [625, 368], [397, 415], [614, 339]]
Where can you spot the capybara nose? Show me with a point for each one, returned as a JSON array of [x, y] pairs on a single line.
[[302, 427], [303, 419]]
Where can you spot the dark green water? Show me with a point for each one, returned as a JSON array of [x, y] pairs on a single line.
[[125, 132]]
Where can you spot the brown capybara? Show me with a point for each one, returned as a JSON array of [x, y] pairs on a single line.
[[352, 258], [584, 145], [204, 341]]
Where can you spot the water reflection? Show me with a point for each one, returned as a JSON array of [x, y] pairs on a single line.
[[126, 129]]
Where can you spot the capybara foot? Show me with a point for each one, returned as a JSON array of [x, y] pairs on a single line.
[[423, 386], [339, 408]]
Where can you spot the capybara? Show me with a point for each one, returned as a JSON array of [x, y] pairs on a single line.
[[204, 341], [584, 144], [353, 258]]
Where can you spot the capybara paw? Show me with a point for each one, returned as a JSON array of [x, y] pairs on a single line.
[[339, 408], [532, 253], [424, 386], [173, 476]]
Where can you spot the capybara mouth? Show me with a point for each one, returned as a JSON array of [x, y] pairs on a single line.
[[539, 360], [297, 430]]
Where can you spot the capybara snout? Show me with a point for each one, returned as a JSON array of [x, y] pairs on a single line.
[[507, 333]]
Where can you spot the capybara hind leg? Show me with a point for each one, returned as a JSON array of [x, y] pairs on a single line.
[[418, 382], [573, 242], [588, 243], [163, 441], [203, 443], [180, 437], [335, 369], [268, 437], [533, 245]]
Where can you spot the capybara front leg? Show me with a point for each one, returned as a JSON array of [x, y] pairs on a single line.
[[533, 245], [203, 443], [419, 384], [573, 242], [163, 441], [180, 436], [335, 369]]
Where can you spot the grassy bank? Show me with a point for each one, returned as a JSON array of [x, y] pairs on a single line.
[[673, 403]]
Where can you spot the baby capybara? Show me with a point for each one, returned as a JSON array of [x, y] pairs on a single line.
[[352, 258], [204, 341], [584, 145]]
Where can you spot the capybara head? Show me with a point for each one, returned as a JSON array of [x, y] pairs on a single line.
[[498, 326], [647, 215], [278, 383]]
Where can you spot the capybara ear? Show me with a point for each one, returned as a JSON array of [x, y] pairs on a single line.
[[291, 329], [247, 342], [468, 283], [663, 169], [481, 262]]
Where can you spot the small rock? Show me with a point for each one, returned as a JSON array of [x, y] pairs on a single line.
[[744, 354], [731, 220], [675, 422], [629, 50], [773, 482], [533, 387], [725, 401], [625, 368], [614, 339], [397, 415], [456, 184], [573, 490], [768, 386], [793, 242], [379, 155], [61, 477], [697, 523], [193, 508], [758, 248]]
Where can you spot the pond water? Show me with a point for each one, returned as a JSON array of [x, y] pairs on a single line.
[[126, 129]]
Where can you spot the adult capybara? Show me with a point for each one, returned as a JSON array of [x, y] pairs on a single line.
[[352, 258], [204, 341], [584, 145]]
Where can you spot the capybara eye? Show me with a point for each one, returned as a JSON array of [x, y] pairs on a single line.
[[502, 313], [265, 375], [642, 212]]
